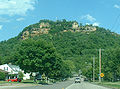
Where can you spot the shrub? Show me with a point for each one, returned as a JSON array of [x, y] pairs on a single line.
[[2, 76]]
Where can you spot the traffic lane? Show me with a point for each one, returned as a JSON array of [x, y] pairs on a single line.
[[58, 85], [85, 85]]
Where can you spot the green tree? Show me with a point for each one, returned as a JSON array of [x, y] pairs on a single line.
[[21, 75], [67, 68], [38, 56]]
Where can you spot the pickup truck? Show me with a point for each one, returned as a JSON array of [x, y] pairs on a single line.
[[14, 80]]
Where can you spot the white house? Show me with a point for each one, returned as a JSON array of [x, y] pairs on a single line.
[[13, 69]]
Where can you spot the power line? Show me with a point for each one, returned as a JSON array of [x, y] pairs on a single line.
[[115, 23]]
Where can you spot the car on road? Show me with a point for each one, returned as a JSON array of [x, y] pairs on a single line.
[[85, 79], [14, 80], [77, 80]]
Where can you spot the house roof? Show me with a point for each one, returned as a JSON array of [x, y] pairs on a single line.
[[14, 67]]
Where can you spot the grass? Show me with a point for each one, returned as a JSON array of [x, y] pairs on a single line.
[[23, 81], [27, 81], [115, 85], [1, 82]]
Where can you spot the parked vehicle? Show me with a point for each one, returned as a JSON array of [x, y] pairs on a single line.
[[85, 79], [77, 80], [63, 79], [14, 80]]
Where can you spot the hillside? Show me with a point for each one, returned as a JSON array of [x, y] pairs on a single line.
[[77, 43], [46, 26]]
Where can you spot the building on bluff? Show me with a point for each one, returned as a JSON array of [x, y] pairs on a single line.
[[90, 28]]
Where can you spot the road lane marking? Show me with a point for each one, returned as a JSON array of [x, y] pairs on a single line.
[[69, 86]]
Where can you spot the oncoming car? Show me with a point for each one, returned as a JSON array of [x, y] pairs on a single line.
[[77, 80]]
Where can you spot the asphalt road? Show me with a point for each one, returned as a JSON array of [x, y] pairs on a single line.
[[85, 85], [63, 85], [59, 85]]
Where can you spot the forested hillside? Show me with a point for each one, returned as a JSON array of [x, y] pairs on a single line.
[[76, 44]]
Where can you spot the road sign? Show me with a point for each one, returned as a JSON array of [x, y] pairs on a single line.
[[102, 75]]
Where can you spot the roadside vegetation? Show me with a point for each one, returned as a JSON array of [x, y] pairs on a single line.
[[115, 85], [23, 81], [2, 76]]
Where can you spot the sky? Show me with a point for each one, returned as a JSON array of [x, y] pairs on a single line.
[[15, 15]]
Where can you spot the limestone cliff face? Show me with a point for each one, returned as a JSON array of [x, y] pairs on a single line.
[[75, 25], [78, 28], [44, 28], [46, 25]]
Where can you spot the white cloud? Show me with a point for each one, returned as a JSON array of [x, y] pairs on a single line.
[[16, 7], [88, 17], [4, 19], [90, 20], [96, 24], [1, 27], [20, 19], [87, 23], [117, 6]]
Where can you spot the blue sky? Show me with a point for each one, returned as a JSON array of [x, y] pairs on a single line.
[[17, 14]]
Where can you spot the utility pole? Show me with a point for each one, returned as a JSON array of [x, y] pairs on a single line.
[[93, 68], [99, 64]]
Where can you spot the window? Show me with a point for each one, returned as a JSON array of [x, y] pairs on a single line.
[[7, 68]]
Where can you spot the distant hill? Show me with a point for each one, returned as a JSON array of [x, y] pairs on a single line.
[[75, 42]]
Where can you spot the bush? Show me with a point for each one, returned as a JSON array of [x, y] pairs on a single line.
[[21, 75], [2, 76]]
